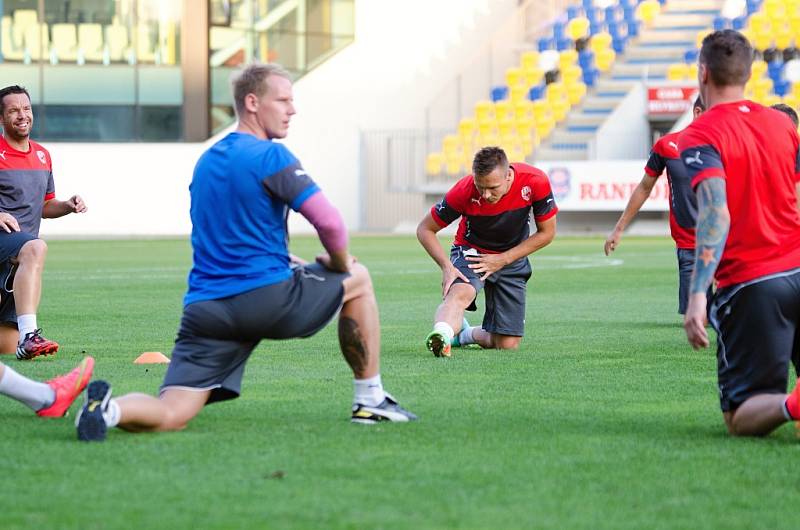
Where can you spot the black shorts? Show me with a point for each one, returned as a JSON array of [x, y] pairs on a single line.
[[505, 293], [757, 324], [10, 245], [685, 269], [216, 337]]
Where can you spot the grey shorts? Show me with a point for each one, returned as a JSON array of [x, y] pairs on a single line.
[[10, 245], [216, 337], [757, 325], [504, 291]]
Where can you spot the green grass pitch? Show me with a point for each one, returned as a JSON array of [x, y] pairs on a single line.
[[605, 418]]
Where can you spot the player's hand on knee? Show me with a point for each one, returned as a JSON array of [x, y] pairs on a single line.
[[8, 222], [486, 264], [449, 275]]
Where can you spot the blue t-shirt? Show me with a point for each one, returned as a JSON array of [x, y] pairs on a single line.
[[241, 192]]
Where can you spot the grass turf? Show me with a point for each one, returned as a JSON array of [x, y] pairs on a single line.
[[605, 418]]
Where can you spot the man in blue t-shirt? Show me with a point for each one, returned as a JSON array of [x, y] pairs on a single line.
[[244, 285]]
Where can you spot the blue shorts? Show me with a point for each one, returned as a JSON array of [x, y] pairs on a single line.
[[10, 245]]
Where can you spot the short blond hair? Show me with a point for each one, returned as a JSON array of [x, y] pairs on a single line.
[[250, 80]]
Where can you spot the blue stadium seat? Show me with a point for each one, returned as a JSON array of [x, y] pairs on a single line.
[[611, 14], [593, 15], [781, 87], [499, 93], [753, 6], [545, 43], [633, 28], [720, 23], [573, 12], [615, 29], [774, 69], [559, 30], [536, 92], [739, 23], [586, 59], [564, 44], [618, 44], [590, 76], [596, 27], [690, 56], [588, 4]]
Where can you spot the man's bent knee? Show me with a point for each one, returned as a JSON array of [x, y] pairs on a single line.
[[461, 294], [506, 342], [34, 250], [358, 283]]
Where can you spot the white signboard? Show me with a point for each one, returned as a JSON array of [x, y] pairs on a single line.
[[601, 185]]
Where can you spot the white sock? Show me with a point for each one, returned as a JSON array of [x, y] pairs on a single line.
[[465, 336], [368, 391], [25, 324], [112, 414], [34, 394], [445, 329]]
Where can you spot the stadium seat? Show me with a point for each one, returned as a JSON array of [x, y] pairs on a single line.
[[467, 127], [533, 77], [514, 76], [604, 59], [575, 92], [518, 92], [758, 69], [90, 42], [570, 74], [453, 166], [484, 111], [677, 72], [118, 43], [65, 43], [529, 60], [503, 110], [23, 18], [434, 163], [647, 11], [601, 41], [37, 41], [145, 45], [11, 52], [567, 58], [523, 109], [577, 28]]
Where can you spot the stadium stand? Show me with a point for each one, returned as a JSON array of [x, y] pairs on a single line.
[[554, 101]]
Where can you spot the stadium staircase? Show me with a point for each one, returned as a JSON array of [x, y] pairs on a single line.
[[648, 57]]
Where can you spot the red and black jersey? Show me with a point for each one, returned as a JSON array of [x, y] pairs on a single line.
[[756, 150], [682, 201], [494, 228], [26, 182]]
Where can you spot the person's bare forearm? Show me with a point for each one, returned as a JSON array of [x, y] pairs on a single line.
[[537, 241], [430, 243], [635, 203], [340, 260]]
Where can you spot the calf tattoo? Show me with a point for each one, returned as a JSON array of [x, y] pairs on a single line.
[[352, 343]]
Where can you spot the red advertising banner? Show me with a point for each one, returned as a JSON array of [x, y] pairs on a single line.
[[669, 99]]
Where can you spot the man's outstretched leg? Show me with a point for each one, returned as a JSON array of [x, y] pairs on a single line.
[[27, 294], [50, 399], [360, 341], [763, 413]]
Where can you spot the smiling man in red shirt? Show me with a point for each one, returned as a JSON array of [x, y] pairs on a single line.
[[490, 251]]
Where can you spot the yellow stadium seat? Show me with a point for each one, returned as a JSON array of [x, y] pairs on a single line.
[[559, 108], [575, 92], [65, 43], [774, 9], [570, 74], [453, 166], [467, 127], [648, 10], [762, 87], [567, 57], [529, 60], [513, 76], [759, 22], [762, 41], [489, 140], [533, 77], [541, 110], [677, 72], [556, 92], [700, 36], [434, 163], [118, 42], [487, 127], [758, 69], [506, 127], [693, 68], [784, 39], [600, 41], [451, 144], [603, 59], [23, 18], [792, 100], [37, 41], [525, 125], [796, 90], [484, 111], [771, 99], [544, 128], [577, 28], [503, 110], [523, 109], [90, 42], [11, 52], [518, 93]]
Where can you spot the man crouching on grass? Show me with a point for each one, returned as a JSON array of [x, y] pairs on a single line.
[[242, 286]]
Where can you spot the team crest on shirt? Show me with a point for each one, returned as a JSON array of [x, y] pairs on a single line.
[[42, 157], [526, 193]]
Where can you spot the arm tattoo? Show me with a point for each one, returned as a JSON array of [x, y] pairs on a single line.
[[713, 223], [352, 343]]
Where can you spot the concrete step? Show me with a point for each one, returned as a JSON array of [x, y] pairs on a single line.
[[581, 119], [607, 85], [680, 21], [638, 53], [560, 136], [550, 153], [592, 103], [692, 5], [667, 38], [639, 70]]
